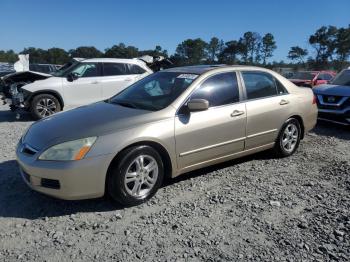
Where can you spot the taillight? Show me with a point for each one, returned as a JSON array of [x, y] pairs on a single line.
[[314, 101]]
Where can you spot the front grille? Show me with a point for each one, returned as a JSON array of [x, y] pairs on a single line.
[[50, 183], [331, 99]]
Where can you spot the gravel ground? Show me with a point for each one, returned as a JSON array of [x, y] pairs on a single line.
[[254, 209]]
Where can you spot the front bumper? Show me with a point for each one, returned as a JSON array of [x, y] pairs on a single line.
[[68, 180]]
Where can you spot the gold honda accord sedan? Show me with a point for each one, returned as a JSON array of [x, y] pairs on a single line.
[[164, 125]]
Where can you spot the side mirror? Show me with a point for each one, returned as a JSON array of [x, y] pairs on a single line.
[[71, 77], [198, 105]]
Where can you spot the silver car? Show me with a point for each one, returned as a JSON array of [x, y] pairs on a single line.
[[164, 125]]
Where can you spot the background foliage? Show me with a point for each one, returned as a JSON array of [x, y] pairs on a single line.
[[330, 50]]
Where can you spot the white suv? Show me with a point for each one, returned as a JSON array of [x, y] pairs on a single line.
[[82, 82]]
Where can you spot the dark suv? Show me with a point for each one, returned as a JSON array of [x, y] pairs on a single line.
[[333, 99]]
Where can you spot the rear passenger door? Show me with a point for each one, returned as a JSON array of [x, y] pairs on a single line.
[[214, 133], [118, 76], [268, 107]]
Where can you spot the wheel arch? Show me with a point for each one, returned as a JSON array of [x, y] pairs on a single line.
[[48, 92], [163, 152], [301, 122]]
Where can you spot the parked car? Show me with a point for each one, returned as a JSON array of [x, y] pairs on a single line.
[[6, 68], [43, 68], [78, 83], [311, 78], [4, 73], [333, 100], [164, 125]]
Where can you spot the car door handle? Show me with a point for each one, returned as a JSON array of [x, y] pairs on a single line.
[[95, 82], [237, 113], [127, 79], [284, 102]]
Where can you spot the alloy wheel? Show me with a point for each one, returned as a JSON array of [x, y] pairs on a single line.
[[290, 137], [141, 176], [46, 107]]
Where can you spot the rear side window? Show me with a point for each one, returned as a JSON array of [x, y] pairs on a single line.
[[115, 69], [261, 84], [221, 89], [135, 69]]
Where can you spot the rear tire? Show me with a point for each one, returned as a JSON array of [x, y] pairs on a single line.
[[136, 176], [44, 105], [288, 139]]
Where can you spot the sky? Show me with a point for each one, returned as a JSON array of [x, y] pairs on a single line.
[[102, 23]]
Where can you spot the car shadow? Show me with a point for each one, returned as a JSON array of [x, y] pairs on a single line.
[[17, 200], [332, 130], [9, 116], [264, 155]]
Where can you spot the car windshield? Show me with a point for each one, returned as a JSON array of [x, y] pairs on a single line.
[[65, 69], [303, 75], [342, 79], [154, 92]]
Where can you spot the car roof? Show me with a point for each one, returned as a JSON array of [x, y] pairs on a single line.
[[201, 69], [112, 60]]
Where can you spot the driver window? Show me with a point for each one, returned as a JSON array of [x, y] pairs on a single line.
[[86, 70], [218, 90]]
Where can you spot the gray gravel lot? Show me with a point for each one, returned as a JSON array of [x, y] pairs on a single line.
[[254, 209]]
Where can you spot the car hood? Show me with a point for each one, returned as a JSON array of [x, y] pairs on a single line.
[[43, 84], [93, 120], [334, 90]]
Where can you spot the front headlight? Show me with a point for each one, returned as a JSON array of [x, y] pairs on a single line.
[[72, 150]]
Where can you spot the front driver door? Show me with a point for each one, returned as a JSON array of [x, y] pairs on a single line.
[[217, 132], [86, 89]]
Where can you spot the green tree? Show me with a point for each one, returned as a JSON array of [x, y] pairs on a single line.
[[57, 56], [86, 52], [121, 51], [229, 54], [8, 56], [342, 44], [157, 51], [36, 55], [214, 48], [191, 51], [268, 45], [324, 43], [297, 53], [250, 43]]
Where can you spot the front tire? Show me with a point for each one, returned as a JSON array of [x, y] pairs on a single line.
[[44, 105], [288, 139], [136, 176]]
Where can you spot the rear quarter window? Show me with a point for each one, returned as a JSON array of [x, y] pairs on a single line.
[[135, 69], [115, 69]]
